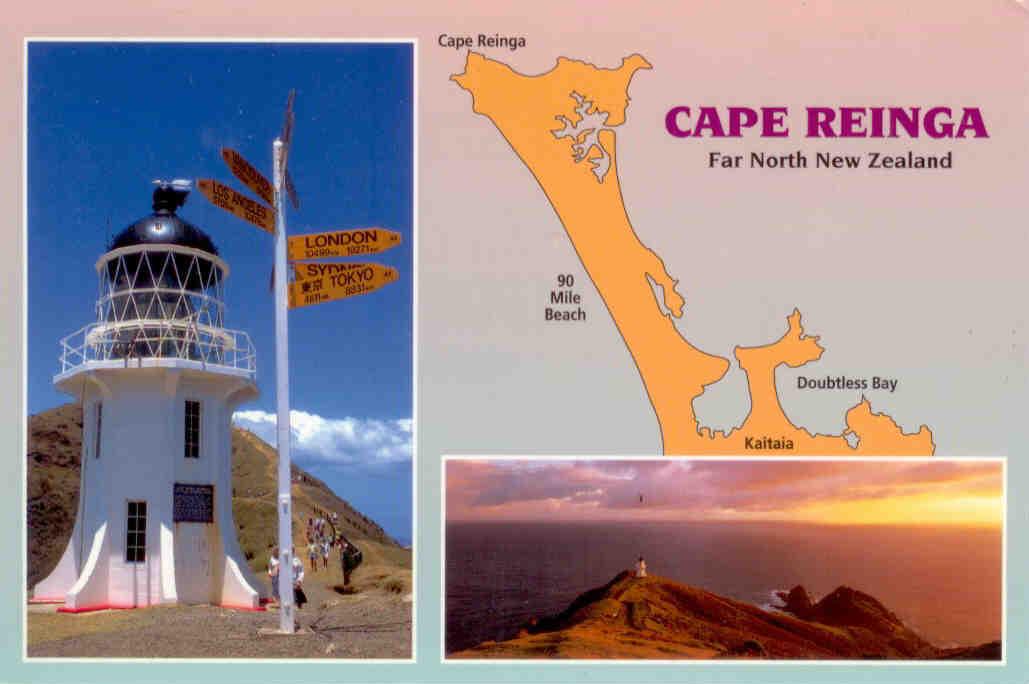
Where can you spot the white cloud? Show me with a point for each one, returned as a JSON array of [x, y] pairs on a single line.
[[336, 441]]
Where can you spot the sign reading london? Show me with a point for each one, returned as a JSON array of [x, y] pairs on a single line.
[[319, 282], [342, 243], [193, 503], [251, 177], [235, 203]]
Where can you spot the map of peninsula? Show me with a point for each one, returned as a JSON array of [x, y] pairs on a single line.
[[561, 124]]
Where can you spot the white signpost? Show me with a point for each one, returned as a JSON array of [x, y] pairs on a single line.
[[280, 157]]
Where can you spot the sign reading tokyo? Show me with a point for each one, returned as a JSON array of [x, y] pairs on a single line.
[[317, 283], [251, 177], [342, 243], [235, 203], [193, 503]]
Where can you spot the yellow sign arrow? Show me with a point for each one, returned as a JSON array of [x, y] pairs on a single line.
[[342, 243], [233, 202], [317, 283], [251, 177]]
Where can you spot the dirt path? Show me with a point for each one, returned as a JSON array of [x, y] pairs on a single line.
[[368, 624]]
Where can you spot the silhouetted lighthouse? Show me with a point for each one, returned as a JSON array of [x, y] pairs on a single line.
[[159, 377]]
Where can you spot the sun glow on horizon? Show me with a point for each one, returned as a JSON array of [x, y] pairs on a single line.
[[925, 509]]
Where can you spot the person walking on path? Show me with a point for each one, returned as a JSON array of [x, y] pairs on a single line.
[[312, 555], [344, 566], [349, 557], [273, 573], [299, 597]]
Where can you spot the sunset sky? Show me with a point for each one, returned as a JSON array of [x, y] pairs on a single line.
[[934, 492]]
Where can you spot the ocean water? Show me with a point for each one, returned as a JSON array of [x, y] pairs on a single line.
[[945, 583]]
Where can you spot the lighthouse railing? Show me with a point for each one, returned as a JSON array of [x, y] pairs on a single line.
[[153, 342]]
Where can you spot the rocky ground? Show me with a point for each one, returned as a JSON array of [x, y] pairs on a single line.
[[368, 624]]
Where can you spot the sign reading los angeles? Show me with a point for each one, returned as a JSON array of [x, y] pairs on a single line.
[[342, 243], [235, 203], [251, 177], [318, 282]]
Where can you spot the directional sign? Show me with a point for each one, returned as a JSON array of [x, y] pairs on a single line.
[[251, 177], [291, 191], [317, 283], [342, 243], [242, 206]]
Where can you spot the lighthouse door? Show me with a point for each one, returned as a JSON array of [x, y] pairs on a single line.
[[193, 562]]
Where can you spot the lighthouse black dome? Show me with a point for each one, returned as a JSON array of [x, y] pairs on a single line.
[[164, 226], [191, 272]]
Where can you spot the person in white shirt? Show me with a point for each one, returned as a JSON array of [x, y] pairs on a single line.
[[299, 597], [273, 573], [641, 567]]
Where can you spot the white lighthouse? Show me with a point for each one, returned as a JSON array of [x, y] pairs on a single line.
[[159, 377]]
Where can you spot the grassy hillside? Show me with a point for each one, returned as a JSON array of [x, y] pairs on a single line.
[[655, 617], [254, 472], [54, 448]]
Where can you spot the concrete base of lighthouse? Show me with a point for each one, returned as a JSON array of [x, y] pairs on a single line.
[[134, 453]]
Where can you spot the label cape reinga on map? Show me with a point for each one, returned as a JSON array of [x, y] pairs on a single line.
[[562, 126]]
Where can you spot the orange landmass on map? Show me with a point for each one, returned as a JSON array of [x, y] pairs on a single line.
[[540, 116]]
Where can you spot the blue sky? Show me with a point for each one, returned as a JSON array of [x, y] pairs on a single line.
[[106, 119]]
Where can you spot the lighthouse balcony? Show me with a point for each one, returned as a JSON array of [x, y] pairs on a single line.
[[143, 343]]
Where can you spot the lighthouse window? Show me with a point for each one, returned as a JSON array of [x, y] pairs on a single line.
[[192, 440], [96, 434], [135, 533]]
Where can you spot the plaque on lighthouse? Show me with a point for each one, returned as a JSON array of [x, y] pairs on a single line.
[[193, 503]]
